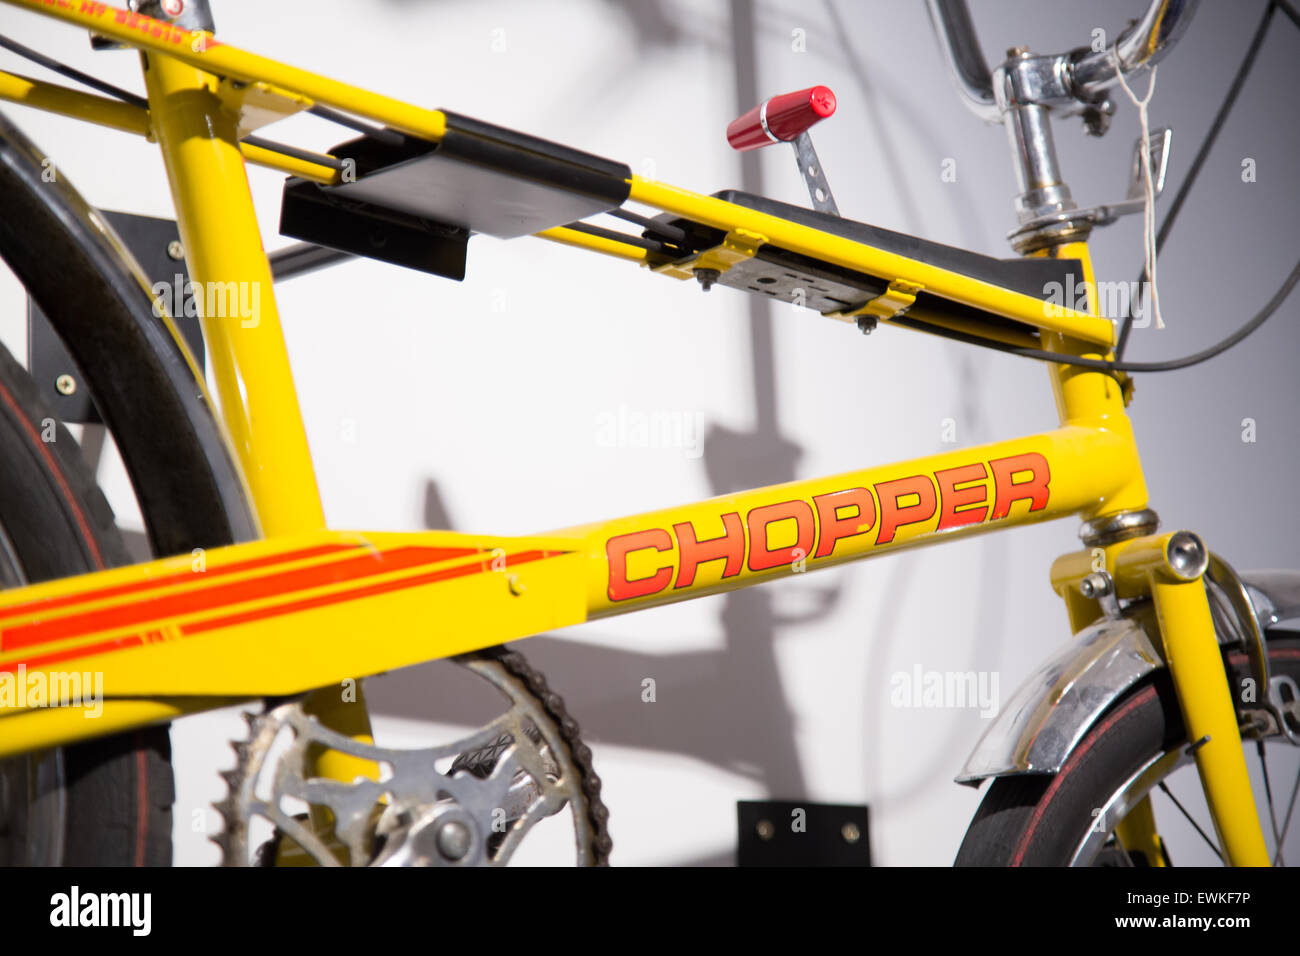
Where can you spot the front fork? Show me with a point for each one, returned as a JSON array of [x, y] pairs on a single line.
[[1170, 568]]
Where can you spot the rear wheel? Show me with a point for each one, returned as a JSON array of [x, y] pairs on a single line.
[[105, 802], [1138, 748]]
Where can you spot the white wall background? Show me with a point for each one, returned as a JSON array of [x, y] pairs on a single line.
[[478, 404]]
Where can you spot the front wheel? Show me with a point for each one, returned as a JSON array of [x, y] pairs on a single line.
[[1138, 748]]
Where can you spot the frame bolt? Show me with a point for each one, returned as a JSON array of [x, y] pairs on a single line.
[[851, 833], [175, 250], [867, 324], [516, 586], [453, 840], [1096, 117], [1187, 555], [1095, 585], [707, 277], [65, 384], [1016, 52], [765, 830]]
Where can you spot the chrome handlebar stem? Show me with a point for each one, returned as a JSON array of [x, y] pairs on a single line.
[[1025, 90], [1073, 81]]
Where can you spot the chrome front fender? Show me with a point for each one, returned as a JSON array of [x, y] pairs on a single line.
[[1059, 702], [1054, 707], [1274, 594]]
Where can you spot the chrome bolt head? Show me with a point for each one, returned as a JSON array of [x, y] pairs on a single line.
[[1187, 555], [453, 840], [1095, 585], [65, 384]]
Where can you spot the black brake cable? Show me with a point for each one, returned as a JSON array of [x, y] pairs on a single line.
[[117, 93], [672, 234], [85, 79], [293, 152], [1206, 354], [650, 245], [1202, 153], [387, 136], [1107, 365], [1290, 11], [381, 134], [1186, 361]]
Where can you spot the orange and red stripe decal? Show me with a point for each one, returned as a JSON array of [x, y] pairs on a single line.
[[168, 603], [172, 580], [221, 595], [382, 587]]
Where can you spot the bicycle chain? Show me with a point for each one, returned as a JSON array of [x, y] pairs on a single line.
[[597, 813]]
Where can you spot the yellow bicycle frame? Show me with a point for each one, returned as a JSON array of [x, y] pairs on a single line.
[[306, 607]]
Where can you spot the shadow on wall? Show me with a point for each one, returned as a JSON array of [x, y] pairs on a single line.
[[756, 739], [730, 708]]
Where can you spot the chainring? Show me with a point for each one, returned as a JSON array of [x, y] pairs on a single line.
[[523, 766]]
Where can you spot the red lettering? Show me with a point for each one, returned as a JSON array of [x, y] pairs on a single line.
[[833, 527], [694, 552], [619, 547], [1032, 489], [952, 498], [760, 556], [893, 515]]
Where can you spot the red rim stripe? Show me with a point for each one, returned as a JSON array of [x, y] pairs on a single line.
[[53, 468]]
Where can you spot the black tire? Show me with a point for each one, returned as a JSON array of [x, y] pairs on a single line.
[[1042, 820], [105, 802]]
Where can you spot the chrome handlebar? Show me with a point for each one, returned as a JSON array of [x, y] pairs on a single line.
[[1144, 43], [956, 32], [1076, 80]]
